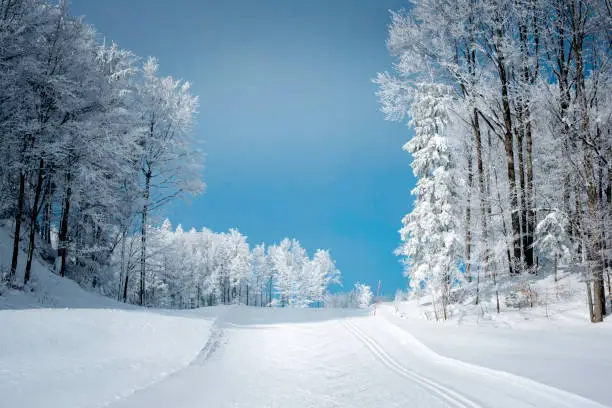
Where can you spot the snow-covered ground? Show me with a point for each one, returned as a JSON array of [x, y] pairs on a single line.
[[250, 357], [61, 347], [90, 357]]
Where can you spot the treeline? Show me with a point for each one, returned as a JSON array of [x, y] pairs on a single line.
[[186, 269], [92, 141], [510, 102], [94, 144]]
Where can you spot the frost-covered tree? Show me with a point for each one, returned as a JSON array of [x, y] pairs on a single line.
[[363, 294], [204, 268], [260, 269], [530, 126], [553, 238], [282, 264], [79, 125], [431, 233], [324, 274], [169, 165]]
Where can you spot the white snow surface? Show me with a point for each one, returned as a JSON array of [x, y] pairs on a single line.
[[61, 347], [251, 357]]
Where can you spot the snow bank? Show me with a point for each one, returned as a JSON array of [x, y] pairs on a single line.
[[89, 358], [565, 351], [61, 346]]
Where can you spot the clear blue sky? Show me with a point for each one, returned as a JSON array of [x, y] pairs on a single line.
[[294, 140]]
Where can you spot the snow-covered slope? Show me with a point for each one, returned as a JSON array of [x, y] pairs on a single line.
[[45, 289], [571, 355], [61, 347], [253, 357], [331, 358], [90, 357]]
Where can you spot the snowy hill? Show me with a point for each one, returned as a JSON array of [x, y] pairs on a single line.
[[45, 289], [61, 346], [261, 357]]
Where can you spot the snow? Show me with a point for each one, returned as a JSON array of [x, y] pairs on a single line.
[[552, 342], [90, 357], [567, 356], [259, 357], [61, 347]]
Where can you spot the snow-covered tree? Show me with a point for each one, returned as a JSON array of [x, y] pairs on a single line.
[[530, 127], [363, 294], [553, 238], [260, 272], [170, 166], [431, 233]]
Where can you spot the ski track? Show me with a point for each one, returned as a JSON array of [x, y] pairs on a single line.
[[444, 393], [561, 397], [213, 343], [217, 336]]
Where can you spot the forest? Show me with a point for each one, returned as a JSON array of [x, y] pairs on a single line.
[[510, 106], [95, 144]]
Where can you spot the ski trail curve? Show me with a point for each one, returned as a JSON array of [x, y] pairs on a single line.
[[561, 398], [212, 344], [444, 393]]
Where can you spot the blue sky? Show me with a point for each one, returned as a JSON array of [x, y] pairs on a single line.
[[294, 140]]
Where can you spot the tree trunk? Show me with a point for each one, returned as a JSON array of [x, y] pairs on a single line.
[[481, 190], [501, 210], [33, 217], [45, 230], [125, 285], [143, 238], [123, 272], [531, 213], [477, 286], [528, 214], [270, 292], [590, 302], [594, 244], [468, 226], [18, 217], [63, 236], [508, 147], [519, 134]]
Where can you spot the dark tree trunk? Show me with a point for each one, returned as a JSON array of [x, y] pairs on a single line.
[[143, 238], [594, 244], [531, 213], [125, 285], [63, 236], [18, 217], [519, 133], [45, 229], [481, 190], [33, 218], [528, 214], [508, 146], [468, 226]]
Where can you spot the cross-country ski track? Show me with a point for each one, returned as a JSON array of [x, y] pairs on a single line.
[[97, 353], [309, 358]]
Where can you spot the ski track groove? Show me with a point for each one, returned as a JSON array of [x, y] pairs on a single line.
[[561, 397], [215, 340], [442, 392]]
